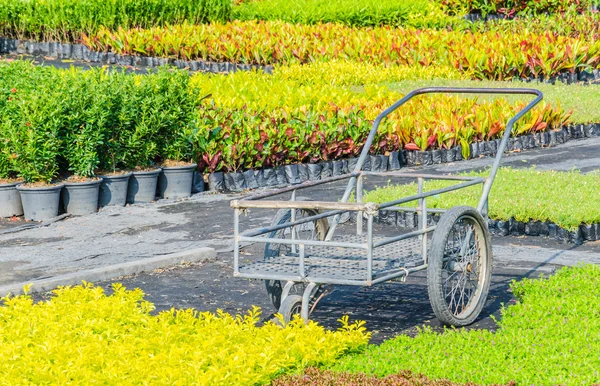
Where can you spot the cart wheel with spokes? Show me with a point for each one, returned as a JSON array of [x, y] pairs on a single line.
[[314, 230], [290, 306], [460, 266]]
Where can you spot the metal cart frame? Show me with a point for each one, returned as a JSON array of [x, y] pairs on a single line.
[[296, 268]]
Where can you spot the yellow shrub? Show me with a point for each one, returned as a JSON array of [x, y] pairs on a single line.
[[316, 85], [81, 336]]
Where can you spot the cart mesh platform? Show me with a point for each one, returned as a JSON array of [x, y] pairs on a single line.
[[324, 263]]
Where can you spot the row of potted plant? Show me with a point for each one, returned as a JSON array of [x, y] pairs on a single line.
[[489, 54], [82, 132], [41, 201], [72, 127]]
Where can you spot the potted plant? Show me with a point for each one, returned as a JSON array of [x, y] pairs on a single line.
[[138, 135], [10, 200], [178, 134], [32, 125], [112, 92], [175, 180], [83, 132]]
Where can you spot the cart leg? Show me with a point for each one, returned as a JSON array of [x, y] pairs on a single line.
[[359, 198], [309, 292]]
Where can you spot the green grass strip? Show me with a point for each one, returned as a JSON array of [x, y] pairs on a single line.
[[551, 336], [567, 199], [360, 13]]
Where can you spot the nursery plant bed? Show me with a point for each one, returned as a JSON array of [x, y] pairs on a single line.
[[261, 178], [559, 205], [60, 52]]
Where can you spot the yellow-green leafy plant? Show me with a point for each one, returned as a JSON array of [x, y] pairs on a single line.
[[483, 55], [82, 336]]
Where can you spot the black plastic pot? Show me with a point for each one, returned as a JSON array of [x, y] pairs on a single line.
[[176, 182], [81, 198], [291, 174], [382, 161], [424, 158], [411, 158], [450, 155], [352, 164], [367, 165], [216, 182], [394, 160], [436, 156], [474, 153], [314, 172], [142, 186], [518, 144], [258, 176], [280, 175], [269, 178], [235, 181], [493, 146], [40, 203], [458, 153], [502, 227], [589, 232], [303, 172], [326, 169], [250, 178], [10, 200], [338, 168], [198, 182]]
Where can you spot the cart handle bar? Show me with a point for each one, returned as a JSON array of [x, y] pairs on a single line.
[[459, 90]]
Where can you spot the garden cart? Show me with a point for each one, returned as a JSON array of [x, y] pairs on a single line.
[[303, 253]]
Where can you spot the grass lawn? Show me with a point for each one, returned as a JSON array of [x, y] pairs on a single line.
[[567, 199], [550, 336]]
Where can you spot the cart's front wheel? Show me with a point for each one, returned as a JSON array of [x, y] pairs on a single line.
[[290, 306], [460, 266]]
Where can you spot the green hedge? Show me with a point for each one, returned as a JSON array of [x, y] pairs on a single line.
[[65, 20], [55, 121], [550, 336], [362, 13]]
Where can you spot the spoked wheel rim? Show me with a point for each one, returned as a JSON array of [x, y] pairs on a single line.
[[296, 310], [463, 270]]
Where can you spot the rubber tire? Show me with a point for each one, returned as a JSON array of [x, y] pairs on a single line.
[[289, 305], [434, 270], [275, 287]]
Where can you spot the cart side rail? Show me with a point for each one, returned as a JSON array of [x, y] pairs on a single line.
[[459, 90]]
